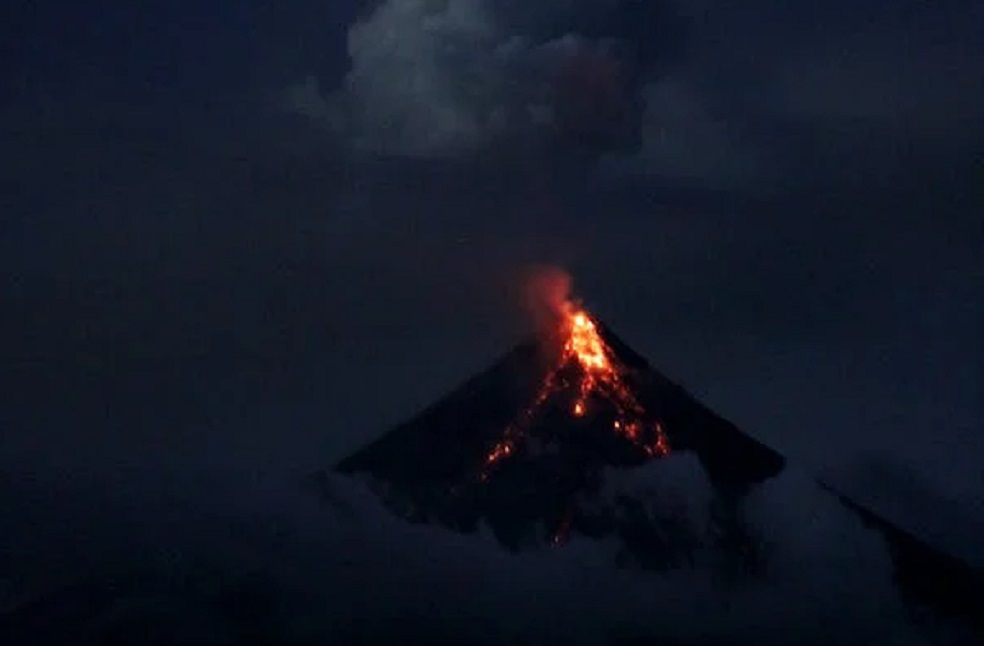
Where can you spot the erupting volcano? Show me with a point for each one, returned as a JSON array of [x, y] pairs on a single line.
[[572, 436], [534, 447]]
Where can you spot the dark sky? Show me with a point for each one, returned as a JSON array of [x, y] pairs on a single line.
[[248, 235]]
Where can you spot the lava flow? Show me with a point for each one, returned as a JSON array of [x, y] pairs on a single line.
[[596, 375]]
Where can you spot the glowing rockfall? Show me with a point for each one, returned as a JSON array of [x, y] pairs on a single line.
[[591, 373]]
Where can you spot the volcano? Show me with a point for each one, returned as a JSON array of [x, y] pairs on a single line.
[[528, 447], [559, 440], [570, 493]]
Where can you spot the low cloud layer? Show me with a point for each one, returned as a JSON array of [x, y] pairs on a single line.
[[266, 558]]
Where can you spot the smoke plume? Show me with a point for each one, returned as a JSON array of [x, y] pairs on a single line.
[[546, 290], [446, 77]]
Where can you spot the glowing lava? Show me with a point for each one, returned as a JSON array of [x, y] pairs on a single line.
[[597, 375]]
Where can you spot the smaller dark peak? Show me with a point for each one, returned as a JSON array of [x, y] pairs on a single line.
[[925, 575]]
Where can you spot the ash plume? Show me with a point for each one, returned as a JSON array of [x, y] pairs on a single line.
[[435, 78]]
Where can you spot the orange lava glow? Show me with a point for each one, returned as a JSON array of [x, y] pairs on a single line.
[[584, 353]]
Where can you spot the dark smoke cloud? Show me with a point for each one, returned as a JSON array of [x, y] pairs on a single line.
[[455, 76]]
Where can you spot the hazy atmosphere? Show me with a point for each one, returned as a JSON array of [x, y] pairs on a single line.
[[240, 241]]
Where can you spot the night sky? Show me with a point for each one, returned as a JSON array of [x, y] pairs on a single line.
[[240, 240]]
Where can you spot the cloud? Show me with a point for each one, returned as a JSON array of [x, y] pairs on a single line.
[[262, 554], [456, 76]]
